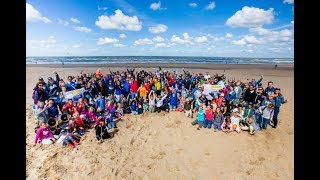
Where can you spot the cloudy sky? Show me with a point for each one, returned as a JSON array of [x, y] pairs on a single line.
[[229, 28]]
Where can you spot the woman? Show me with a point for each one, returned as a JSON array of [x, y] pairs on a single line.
[[231, 96], [39, 94], [279, 100]]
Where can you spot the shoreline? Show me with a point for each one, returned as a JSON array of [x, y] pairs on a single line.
[[172, 65]]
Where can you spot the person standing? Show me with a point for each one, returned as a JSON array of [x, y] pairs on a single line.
[[279, 100]]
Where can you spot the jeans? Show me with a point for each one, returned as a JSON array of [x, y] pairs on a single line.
[[110, 125], [133, 95], [200, 123], [173, 107], [208, 124], [275, 115], [217, 125], [265, 123]]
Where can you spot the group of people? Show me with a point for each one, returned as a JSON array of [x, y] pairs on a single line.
[[104, 99]]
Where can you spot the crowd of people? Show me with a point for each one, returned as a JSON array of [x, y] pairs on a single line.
[[105, 98]]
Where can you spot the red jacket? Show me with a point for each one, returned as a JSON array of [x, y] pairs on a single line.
[[134, 86]]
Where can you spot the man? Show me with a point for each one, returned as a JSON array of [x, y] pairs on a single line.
[[207, 76], [279, 100], [267, 113], [270, 89], [250, 94]]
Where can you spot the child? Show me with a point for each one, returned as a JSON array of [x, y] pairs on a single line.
[[44, 135], [209, 117], [217, 119], [152, 102], [101, 132], [133, 107], [181, 104], [235, 119], [188, 106], [140, 106], [142, 91], [250, 126], [70, 139], [200, 118], [91, 115], [109, 118], [145, 105], [226, 125], [173, 100], [119, 112]]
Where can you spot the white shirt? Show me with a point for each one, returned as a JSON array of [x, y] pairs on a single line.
[[207, 76]]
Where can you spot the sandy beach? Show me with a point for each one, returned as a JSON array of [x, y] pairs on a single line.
[[167, 146]]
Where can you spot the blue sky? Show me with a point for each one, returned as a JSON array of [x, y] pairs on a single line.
[[237, 28]]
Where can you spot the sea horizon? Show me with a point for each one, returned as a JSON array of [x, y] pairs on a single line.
[[154, 59]]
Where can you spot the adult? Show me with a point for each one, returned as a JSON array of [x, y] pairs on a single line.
[[279, 100]]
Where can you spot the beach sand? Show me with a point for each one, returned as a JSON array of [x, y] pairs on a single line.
[[167, 146]]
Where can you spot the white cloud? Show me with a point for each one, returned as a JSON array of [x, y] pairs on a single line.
[[239, 42], [102, 8], [202, 39], [76, 46], [288, 1], [75, 20], [251, 17], [34, 15], [122, 36], [158, 29], [160, 45], [157, 6], [211, 6], [186, 39], [143, 41], [219, 38], [118, 45], [63, 22], [275, 50], [273, 36], [251, 40], [82, 29], [292, 22], [247, 40], [260, 31], [177, 39], [229, 35], [119, 21], [107, 40], [193, 5], [158, 39], [41, 44]]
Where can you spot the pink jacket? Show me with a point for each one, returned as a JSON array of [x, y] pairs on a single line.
[[43, 133], [91, 116]]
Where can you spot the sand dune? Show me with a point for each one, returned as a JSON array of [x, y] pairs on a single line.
[[166, 145]]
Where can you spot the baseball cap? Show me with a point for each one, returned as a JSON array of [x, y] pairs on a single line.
[[250, 103], [235, 110], [50, 78], [40, 79]]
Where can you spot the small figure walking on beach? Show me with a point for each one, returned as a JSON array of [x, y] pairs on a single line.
[[275, 66]]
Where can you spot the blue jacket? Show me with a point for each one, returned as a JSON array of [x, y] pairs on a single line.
[[53, 111], [100, 102], [173, 99], [232, 96], [269, 90], [133, 107], [126, 87], [201, 115], [264, 102], [279, 100]]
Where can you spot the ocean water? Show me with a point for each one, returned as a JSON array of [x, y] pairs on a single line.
[[154, 59]]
